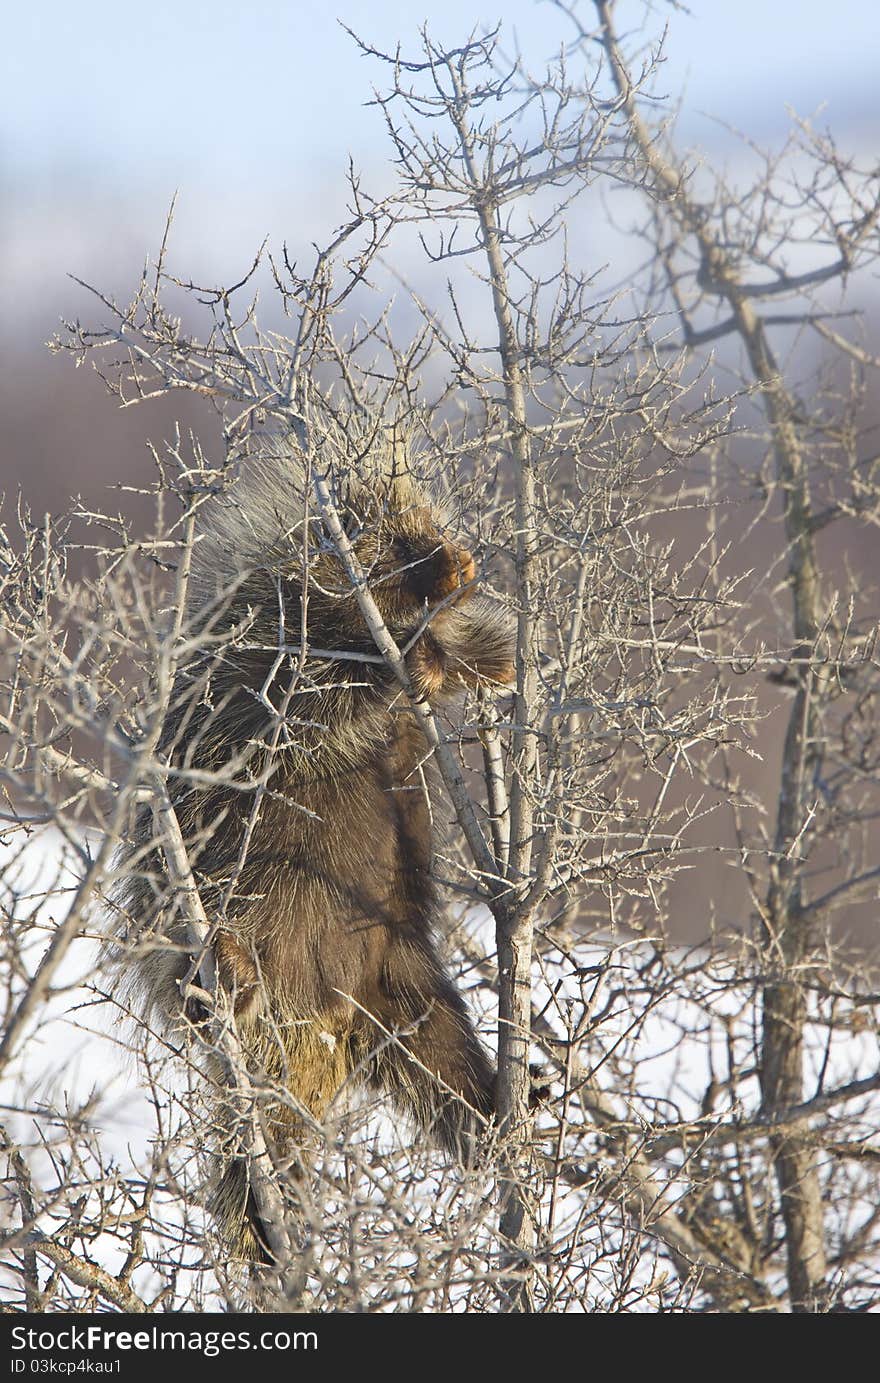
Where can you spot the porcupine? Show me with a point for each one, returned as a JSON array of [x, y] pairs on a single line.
[[327, 946]]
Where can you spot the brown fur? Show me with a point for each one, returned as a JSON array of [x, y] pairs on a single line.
[[327, 946]]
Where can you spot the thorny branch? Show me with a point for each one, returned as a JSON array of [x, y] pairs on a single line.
[[693, 663]]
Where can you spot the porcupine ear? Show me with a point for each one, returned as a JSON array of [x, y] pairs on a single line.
[[373, 471], [388, 469], [410, 474]]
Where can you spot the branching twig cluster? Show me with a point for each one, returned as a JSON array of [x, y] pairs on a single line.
[[695, 708]]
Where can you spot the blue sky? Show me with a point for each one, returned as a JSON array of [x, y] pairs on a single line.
[[184, 88], [249, 110]]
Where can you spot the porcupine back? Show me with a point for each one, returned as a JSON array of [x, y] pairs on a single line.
[[326, 920]]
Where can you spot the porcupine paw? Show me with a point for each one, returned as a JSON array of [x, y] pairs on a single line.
[[239, 977], [540, 1086], [427, 667], [541, 1082]]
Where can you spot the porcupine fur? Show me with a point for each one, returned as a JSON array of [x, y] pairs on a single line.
[[327, 946]]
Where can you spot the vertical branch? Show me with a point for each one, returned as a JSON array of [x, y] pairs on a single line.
[[244, 1110], [514, 928], [19, 1168], [786, 930], [449, 767], [496, 786]]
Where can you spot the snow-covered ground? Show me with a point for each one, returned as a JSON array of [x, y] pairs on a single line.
[[99, 1125]]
